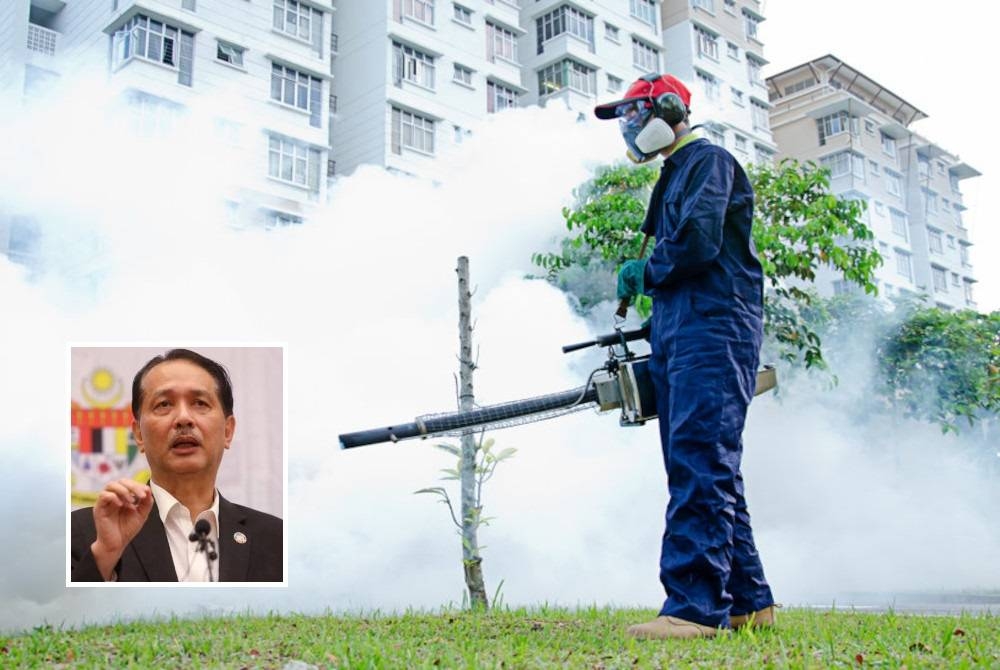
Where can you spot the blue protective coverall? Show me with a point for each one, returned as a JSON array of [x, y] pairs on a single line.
[[707, 289]]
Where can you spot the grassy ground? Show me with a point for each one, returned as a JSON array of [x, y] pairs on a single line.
[[546, 638]]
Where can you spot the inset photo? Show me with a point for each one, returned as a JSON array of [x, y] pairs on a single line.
[[177, 465]]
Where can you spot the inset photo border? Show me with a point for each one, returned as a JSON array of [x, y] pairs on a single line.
[[183, 429]]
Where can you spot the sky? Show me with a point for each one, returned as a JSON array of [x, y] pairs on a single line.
[[365, 304], [938, 58]]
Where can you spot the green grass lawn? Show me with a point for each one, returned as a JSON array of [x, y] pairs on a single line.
[[544, 638]]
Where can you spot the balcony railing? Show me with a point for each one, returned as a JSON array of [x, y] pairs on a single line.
[[42, 40]]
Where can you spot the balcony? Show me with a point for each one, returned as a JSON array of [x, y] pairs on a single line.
[[42, 40]]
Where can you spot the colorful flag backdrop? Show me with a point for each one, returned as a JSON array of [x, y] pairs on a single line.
[[102, 447]]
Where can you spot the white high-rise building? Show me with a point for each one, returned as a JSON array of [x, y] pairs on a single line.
[[308, 88], [583, 53], [263, 67], [715, 47], [414, 76], [831, 113]]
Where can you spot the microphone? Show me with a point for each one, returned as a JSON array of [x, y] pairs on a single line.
[[205, 544]]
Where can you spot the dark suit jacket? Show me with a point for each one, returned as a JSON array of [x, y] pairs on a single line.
[[147, 558]]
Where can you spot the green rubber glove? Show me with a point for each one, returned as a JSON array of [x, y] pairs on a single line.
[[630, 279]]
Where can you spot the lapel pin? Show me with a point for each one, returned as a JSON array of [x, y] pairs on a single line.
[[240, 537]]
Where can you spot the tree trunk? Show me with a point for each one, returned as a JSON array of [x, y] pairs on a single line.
[[470, 512]]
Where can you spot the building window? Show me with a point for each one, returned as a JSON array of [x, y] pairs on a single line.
[[142, 37], [707, 5], [710, 85], [418, 10], [750, 24], [893, 184], [733, 51], [934, 242], [741, 143], [930, 200], [411, 131], [873, 168], [761, 120], [888, 145], [730, 6], [463, 75], [276, 219], [737, 96], [923, 166], [844, 163], [716, 136], [614, 84], [968, 293], [230, 53], [412, 65], [293, 162], [298, 89], [963, 253], [954, 279], [644, 10], [153, 116], [561, 20], [879, 208], [898, 222], [462, 14], [870, 127], [764, 156], [611, 33], [800, 86], [835, 124], [753, 71], [953, 181], [500, 43], [940, 278], [903, 266], [299, 21], [843, 287], [708, 44], [499, 97], [645, 57], [567, 73]]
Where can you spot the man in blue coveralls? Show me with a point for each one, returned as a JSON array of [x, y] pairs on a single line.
[[707, 289]]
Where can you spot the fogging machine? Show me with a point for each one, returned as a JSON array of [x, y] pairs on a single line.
[[623, 383]]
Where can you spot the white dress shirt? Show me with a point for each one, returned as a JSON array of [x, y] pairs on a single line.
[[191, 565]]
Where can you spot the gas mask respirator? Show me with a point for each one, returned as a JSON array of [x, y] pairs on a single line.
[[646, 125]]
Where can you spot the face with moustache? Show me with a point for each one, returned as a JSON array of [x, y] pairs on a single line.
[[182, 427]]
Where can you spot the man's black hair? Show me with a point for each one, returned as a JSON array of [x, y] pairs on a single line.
[[223, 386]]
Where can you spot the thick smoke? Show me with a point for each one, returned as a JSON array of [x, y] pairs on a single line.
[[138, 245]]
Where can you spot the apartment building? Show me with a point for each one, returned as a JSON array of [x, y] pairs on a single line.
[[831, 113], [579, 53], [261, 68], [714, 45], [414, 76]]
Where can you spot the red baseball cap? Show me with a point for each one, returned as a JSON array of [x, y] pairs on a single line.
[[648, 87]]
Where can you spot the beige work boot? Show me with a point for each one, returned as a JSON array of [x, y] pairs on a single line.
[[760, 619], [670, 627]]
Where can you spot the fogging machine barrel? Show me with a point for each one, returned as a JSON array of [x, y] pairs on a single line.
[[442, 424]]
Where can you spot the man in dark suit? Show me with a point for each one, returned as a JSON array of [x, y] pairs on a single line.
[[182, 408]]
